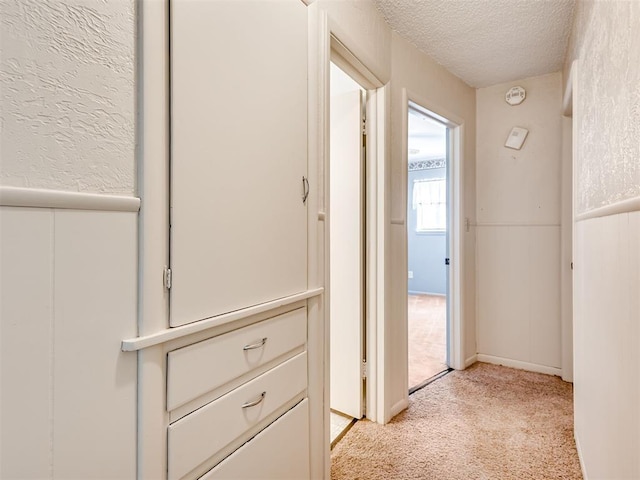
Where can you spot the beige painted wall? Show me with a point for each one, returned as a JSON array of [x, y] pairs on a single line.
[[518, 207], [606, 118], [364, 32], [67, 101], [359, 26], [429, 83]]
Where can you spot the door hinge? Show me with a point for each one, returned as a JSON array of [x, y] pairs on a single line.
[[364, 369], [167, 278], [364, 132]]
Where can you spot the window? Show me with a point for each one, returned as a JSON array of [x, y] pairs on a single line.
[[430, 203]]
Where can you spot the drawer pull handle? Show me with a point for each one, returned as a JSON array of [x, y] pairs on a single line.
[[253, 346], [255, 402]]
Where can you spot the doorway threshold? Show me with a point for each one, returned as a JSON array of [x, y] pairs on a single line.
[[437, 376], [340, 425]]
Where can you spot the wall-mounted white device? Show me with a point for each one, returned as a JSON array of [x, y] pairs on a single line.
[[515, 95], [516, 138]]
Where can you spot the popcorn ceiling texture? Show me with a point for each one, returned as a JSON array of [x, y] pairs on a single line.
[[67, 100], [486, 42], [606, 40]]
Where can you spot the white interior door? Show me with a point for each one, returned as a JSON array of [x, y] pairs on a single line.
[[346, 253], [238, 154]]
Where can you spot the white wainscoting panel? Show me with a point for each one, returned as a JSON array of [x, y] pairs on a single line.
[[68, 296], [95, 308], [26, 315], [519, 293], [606, 345]]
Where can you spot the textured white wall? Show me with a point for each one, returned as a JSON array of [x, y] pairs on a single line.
[[607, 42], [518, 202], [67, 101]]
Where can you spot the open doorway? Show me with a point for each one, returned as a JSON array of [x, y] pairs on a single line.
[[428, 245], [347, 251]]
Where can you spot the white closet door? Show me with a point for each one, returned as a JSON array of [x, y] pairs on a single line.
[[346, 256], [238, 154]]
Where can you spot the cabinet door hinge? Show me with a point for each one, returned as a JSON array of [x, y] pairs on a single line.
[[365, 369], [167, 278]]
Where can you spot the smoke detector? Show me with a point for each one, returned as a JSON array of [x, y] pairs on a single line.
[[515, 95]]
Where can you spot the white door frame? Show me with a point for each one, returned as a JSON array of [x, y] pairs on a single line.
[[322, 49], [568, 215], [325, 47], [457, 223], [374, 236]]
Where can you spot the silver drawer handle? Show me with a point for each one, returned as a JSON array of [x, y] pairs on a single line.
[[255, 402], [253, 346]]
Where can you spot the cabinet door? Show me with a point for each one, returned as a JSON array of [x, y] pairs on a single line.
[[238, 154]]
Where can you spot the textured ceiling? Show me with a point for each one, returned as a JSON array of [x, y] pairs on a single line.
[[486, 42]]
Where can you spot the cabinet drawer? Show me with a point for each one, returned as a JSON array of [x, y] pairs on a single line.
[[280, 451], [204, 366], [198, 436]]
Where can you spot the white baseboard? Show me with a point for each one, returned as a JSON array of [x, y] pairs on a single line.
[[508, 362], [397, 408], [582, 467], [470, 361]]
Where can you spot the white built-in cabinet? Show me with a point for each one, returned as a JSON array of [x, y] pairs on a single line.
[[238, 155], [237, 403], [225, 391]]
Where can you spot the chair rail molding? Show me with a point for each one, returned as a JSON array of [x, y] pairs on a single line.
[[41, 198]]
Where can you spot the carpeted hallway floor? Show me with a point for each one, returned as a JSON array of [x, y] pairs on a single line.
[[487, 422]]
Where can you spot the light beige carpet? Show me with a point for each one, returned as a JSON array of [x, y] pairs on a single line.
[[427, 315], [487, 422]]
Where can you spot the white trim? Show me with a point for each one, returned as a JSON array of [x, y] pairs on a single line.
[[153, 230], [456, 127], [398, 407], [516, 224], [470, 361], [319, 58], [569, 330], [566, 253], [375, 224], [382, 97], [567, 98], [42, 198], [139, 343], [319, 422], [624, 206], [508, 362], [346, 60], [583, 468], [339, 52]]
